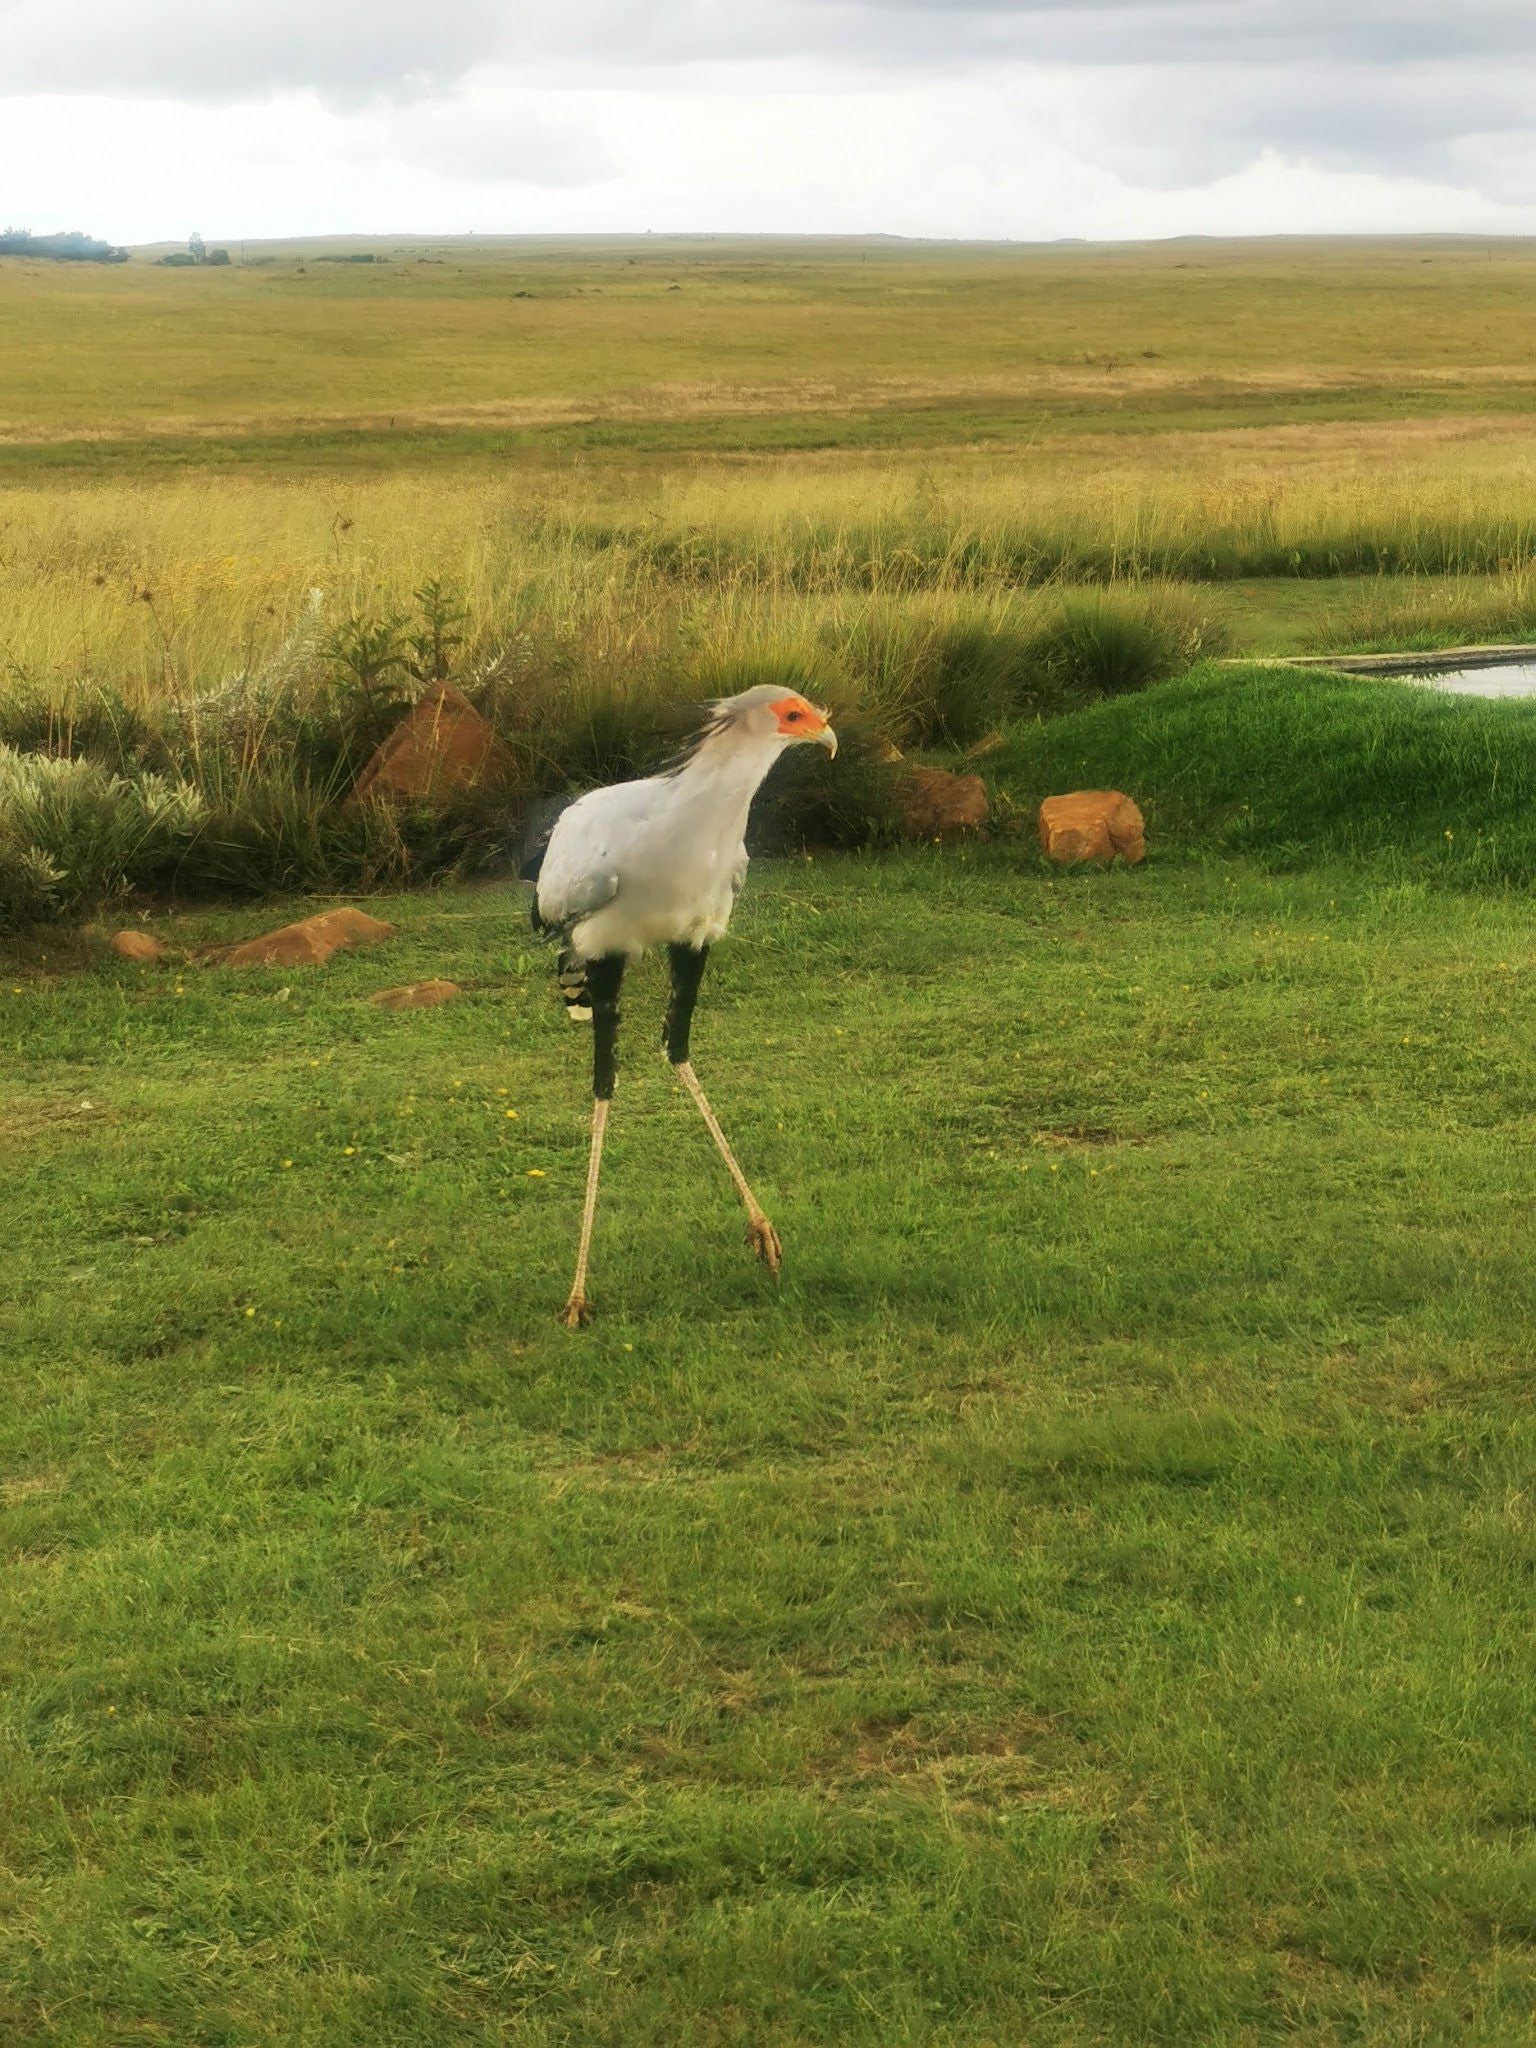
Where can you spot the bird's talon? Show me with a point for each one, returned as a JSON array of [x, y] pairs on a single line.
[[577, 1312], [764, 1240]]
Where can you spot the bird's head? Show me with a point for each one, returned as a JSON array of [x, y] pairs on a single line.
[[771, 712]]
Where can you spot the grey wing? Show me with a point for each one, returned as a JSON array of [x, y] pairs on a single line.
[[578, 873]]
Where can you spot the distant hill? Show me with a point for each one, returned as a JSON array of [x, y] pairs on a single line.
[[70, 247]]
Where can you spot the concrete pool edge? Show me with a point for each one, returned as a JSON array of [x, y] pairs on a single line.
[[1425, 661]]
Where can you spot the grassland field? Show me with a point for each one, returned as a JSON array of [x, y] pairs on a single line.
[[795, 422], [1089, 1600]]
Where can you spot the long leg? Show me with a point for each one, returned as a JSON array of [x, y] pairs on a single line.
[[687, 973], [603, 980]]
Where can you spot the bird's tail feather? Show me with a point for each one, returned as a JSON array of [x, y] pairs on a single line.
[[571, 974]]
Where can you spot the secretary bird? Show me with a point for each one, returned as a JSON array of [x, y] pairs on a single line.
[[661, 862]]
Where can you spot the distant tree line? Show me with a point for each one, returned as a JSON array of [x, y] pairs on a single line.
[[72, 247], [196, 251]]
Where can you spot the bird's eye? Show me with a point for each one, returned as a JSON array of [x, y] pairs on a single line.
[[791, 716]]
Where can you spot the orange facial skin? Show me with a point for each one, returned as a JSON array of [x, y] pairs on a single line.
[[797, 719]]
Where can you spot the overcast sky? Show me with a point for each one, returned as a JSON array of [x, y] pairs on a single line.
[[142, 119]]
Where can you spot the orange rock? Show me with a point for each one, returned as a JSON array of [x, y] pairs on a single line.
[[1092, 824], [440, 746], [308, 943], [416, 995], [938, 805], [138, 946]]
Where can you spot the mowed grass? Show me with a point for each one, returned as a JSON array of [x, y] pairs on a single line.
[[1088, 1601]]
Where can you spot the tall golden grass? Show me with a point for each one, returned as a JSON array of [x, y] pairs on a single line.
[[169, 585]]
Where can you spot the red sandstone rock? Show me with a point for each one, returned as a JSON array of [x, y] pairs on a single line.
[[938, 805], [138, 946], [441, 746], [1092, 824], [416, 995], [310, 942]]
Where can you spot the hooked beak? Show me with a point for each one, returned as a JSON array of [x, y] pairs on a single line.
[[827, 738]]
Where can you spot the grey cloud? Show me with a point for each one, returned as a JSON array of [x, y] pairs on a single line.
[[1166, 92], [1090, 32], [509, 141], [243, 49], [1409, 122], [1109, 32]]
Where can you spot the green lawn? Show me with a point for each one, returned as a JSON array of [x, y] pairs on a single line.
[[1089, 1602]]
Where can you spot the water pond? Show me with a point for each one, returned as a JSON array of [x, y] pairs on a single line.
[[1507, 679]]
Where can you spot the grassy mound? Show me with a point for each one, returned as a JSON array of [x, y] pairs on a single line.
[[1297, 764]]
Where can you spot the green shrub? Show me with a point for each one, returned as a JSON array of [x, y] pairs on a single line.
[[32, 885], [810, 800], [1103, 643], [613, 734], [273, 709], [271, 830], [939, 672], [973, 678], [89, 721], [272, 752], [72, 830]]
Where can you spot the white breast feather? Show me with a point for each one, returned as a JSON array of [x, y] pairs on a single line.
[[660, 861]]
